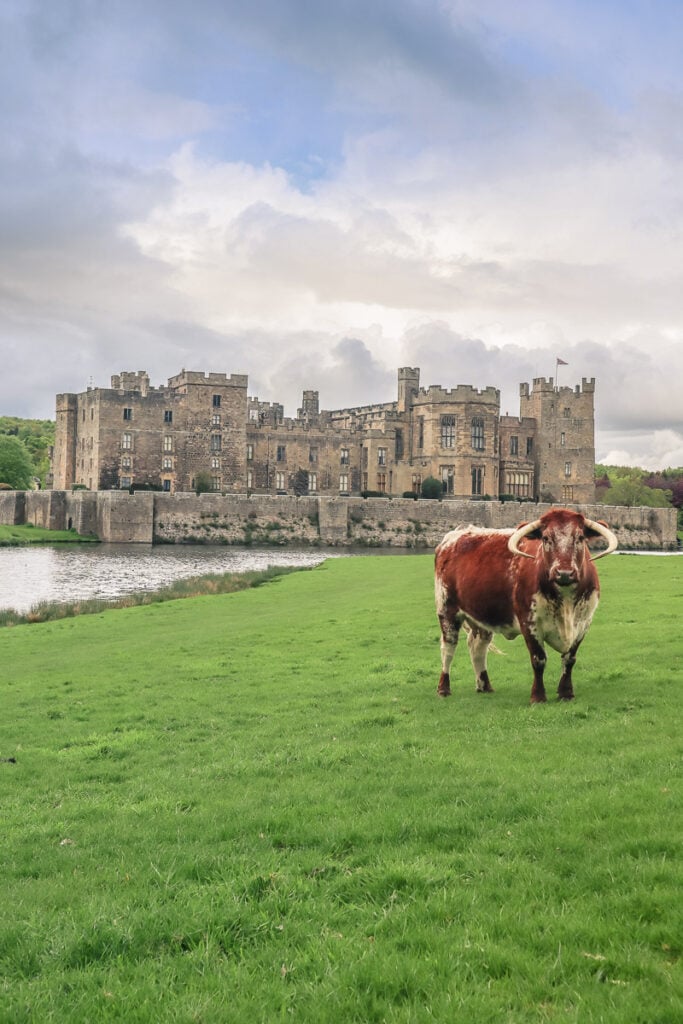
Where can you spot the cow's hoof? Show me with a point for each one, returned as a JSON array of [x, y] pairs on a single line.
[[538, 700], [443, 693], [565, 696]]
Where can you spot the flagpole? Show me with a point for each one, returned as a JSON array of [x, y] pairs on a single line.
[[558, 363]]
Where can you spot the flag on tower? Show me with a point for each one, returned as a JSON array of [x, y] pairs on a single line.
[[561, 362]]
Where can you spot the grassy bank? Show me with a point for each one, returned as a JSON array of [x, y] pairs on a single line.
[[15, 536], [193, 586], [253, 807]]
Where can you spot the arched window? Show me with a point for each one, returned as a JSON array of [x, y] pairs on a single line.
[[478, 442]]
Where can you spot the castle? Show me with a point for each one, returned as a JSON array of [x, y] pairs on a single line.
[[136, 435]]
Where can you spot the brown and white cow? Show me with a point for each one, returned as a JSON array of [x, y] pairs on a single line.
[[538, 581]]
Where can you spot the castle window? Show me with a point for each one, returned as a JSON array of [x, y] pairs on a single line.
[[566, 412], [168, 416], [125, 482], [215, 483], [518, 484], [215, 463], [126, 462], [216, 420], [530, 446], [567, 493], [478, 442], [381, 457], [250, 478], [312, 455], [281, 454], [447, 432], [168, 443], [253, 415], [215, 442], [280, 481], [420, 431], [514, 445], [399, 444], [364, 457], [344, 456], [92, 414], [477, 479], [216, 402], [448, 479], [167, 462], [312, 483], [563, 439], [127, 441], [250, 452], [128, 414], [343, 483], [365, 481], [417, 483], [382, 482], [567, 469]]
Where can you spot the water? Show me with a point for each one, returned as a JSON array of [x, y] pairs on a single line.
[[107, 571]]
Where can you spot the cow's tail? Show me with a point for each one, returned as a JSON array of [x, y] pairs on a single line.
[[492, 647]]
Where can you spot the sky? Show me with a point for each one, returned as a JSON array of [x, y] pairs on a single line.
[[317, 192]]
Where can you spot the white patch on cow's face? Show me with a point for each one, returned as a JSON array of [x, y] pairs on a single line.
[[563, 551], [561, 625]]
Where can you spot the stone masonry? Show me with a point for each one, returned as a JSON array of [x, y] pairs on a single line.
[[204, 427], [145, 517]]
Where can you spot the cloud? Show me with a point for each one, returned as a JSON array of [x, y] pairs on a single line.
[[316, 194]]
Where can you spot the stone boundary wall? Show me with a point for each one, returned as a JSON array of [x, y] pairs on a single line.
[[154, 517]]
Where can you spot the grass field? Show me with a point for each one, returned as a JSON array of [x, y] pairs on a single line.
[[14, 536], [252, 807]]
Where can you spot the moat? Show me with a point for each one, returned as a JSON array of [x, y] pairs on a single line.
[[107, 571]]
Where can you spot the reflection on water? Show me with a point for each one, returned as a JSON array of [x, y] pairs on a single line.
[[82, 571]]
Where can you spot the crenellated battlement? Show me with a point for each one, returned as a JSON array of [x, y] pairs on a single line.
[[460, 393], [188, 377]]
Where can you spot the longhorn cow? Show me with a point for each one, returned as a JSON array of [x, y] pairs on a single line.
[[538, 581]]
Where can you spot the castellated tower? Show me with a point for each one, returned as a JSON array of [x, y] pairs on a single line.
[[408, 386], [310, 406], [564, 457]]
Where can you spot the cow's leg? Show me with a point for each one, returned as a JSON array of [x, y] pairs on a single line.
[[565, 690], [478, 642], [450, 629], [538, 660]]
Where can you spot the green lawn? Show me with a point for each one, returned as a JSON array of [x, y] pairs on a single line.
[[12, 536], [253, 807]]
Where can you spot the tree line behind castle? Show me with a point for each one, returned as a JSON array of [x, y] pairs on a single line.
[[203, 432]]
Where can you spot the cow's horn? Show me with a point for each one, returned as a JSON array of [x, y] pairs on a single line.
[[519, 534], [612, 542]]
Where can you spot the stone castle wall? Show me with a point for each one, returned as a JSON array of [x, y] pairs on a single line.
[[147, 517]]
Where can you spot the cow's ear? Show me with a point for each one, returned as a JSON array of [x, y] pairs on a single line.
[[590, 532], [533, 535]]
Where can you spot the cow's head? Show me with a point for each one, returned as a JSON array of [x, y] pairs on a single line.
[[564, 537]]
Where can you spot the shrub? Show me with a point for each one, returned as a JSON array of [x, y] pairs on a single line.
[[432, 488]]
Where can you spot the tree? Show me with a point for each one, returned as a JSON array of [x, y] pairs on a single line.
[[632, 493], [203, 482], [16, 468], [300, 482]]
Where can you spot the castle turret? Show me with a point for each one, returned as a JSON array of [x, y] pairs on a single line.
[[310, 406], [408, 386]]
